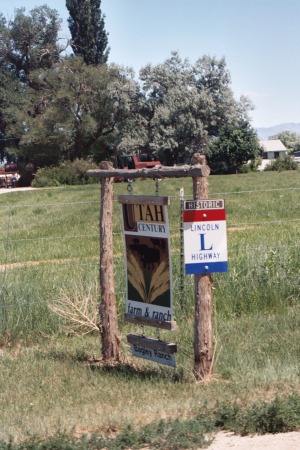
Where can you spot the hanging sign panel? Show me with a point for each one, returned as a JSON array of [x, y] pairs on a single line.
[[205, 238], [153, 355], [148, 266], [157, 351]]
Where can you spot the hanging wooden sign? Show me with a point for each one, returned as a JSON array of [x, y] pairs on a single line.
[[148, 265], [153, 350]]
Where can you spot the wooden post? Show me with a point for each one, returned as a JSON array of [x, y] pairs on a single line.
[[107, 308], [203, 349]]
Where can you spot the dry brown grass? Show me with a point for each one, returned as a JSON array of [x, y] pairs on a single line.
[[79, 312]]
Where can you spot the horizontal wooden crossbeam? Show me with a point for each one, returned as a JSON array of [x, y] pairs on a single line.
[[199, 170], [143, 200]]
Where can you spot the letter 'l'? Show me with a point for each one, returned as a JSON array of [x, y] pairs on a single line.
[[202, 243]]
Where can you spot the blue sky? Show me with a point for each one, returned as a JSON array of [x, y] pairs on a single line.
[[258, 38]]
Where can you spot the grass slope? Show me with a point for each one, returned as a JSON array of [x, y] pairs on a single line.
[[48, 382]]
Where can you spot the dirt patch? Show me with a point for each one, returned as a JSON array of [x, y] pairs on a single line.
[[7, 190], [281, 441]]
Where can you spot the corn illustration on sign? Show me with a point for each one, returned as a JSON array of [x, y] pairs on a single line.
[[148, 267]]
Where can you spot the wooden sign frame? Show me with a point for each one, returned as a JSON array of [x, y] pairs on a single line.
[[203, 347]]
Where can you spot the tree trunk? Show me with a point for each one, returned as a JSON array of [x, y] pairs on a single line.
[[203, 349], [107, 307]]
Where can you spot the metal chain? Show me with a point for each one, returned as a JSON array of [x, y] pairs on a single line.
[[158, 333], [156, 186], [129, 186]]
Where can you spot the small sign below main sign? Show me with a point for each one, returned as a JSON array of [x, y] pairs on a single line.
[[153, 355], [157, 351], [205, 239]]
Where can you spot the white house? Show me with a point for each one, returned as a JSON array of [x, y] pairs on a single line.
[[273, 149]]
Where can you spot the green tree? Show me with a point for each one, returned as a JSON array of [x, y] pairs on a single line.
[[29, 42], [87, 27], [186, 105], [235, 145], [58, 107], [79, 112], [9, 101]]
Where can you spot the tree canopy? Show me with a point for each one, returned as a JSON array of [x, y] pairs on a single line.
[[77, 113], [235, 145], [29, 42], [87, 27], [186, 105], [58, 106]]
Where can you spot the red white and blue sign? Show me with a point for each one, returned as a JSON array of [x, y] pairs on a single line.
[[205, 236]]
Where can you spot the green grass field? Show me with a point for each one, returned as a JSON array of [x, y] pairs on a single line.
[[49, 241]]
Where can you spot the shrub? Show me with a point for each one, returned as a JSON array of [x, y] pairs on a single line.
[[244, 168], [66, 173], [254, 164], [278, 416], [282, 163]]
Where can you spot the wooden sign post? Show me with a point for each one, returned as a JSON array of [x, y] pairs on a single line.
[[107, 307], [203, 351], [203, 348]]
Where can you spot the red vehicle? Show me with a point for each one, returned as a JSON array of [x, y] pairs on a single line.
[[9, 176], [135, 162]]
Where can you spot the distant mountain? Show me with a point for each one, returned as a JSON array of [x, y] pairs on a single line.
[[265, 133]]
